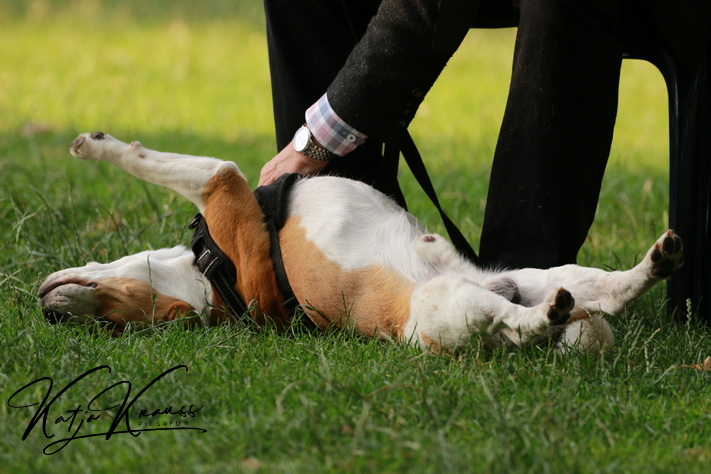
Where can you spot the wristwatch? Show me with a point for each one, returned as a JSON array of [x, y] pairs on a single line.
[[305, 144]]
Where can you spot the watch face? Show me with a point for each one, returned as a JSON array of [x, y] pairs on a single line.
[[301, 139]]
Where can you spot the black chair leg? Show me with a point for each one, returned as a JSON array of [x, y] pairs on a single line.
[[690, 183]]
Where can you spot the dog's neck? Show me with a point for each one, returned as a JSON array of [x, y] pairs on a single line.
[[237, 226]]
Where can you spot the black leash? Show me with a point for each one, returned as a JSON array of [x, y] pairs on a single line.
[[417, 166]]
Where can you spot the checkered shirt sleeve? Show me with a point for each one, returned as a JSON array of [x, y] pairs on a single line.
[[330, 130]]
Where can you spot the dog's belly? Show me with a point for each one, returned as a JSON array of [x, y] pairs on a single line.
[[355, 225], [374, 299], [354, 258]]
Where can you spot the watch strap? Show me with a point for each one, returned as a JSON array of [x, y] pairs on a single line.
[[316, 152]]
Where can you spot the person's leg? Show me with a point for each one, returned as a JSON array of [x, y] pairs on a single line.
[[308, 41], [556, 134]]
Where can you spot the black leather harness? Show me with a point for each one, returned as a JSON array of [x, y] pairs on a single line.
[[216, 266], [219, 269]]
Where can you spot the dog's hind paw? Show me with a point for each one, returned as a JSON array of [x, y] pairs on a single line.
[[560, 304], [666, 255], [539, 320]]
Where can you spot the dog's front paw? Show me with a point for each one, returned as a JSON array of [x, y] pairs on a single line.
[[82, 147], [94, 146], [666, 255]]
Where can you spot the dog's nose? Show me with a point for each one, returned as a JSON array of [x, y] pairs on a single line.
[[52, 317]]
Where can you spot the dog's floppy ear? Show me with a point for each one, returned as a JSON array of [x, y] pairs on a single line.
[[178, 310]]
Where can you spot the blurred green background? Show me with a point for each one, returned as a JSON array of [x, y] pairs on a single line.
[[193, 77]]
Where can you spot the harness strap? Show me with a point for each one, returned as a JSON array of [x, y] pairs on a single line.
[[273, 201], [216, 266], [220, 270]]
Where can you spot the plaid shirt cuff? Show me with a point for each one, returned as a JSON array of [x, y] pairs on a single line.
[[330, 130]]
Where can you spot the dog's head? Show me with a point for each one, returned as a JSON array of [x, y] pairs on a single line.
[[147, 288]]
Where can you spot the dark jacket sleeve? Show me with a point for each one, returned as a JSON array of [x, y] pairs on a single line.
[[405, 48]]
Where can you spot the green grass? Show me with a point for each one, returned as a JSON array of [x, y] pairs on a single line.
[[195, 80]]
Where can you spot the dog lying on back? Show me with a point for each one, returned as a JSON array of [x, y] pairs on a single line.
[[352, 258]]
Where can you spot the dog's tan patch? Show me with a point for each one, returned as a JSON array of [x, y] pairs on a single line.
[[237, 226], [375, 300], [125, 300], [433, 346]]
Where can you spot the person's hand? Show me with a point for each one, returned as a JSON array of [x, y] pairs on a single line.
[[289, 161]]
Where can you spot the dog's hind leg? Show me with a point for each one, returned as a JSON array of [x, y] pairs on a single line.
[[188, 175], [595, 289], [448, 309]]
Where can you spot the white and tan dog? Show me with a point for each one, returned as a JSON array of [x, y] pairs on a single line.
[[353, 258]]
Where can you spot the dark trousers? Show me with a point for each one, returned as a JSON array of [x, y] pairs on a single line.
[[557, 128]]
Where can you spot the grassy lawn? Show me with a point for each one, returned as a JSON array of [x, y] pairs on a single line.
[[192, 77]]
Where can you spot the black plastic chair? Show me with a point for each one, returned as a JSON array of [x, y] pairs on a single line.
[[689, 176], [689, 164]]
